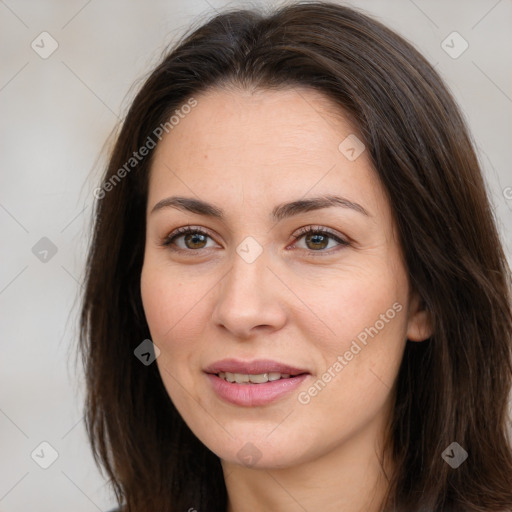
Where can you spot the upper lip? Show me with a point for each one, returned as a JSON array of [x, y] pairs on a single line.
[[254, 367]]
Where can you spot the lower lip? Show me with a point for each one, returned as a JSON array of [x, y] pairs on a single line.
[[250, 395]]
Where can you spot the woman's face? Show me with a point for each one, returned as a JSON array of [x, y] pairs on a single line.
[[251, 297]]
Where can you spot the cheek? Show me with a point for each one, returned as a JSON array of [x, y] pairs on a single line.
[[168, 304], [358, 302], [357, 365], [175, 321], [361, 346]]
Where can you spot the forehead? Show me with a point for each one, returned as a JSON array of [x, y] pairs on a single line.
[[260, 143], [239, 119]]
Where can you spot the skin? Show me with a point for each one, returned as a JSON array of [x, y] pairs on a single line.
[[300, 303]]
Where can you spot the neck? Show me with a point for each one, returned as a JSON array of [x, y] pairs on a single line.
[[350, 477]]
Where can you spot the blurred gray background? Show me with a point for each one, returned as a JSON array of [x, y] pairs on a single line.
[[68, 74]]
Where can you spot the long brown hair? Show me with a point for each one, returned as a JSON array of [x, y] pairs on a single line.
[[454, 387]]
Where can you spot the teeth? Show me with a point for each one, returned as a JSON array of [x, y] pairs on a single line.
[[261, 378], [241, 379]]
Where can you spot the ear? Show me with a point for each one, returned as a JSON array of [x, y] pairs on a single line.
[[419, 325]]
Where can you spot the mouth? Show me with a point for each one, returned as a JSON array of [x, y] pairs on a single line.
[[260, 378], [253, 383]]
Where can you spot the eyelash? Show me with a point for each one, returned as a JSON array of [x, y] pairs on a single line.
[[317, 230]]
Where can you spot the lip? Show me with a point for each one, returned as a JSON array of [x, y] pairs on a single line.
[[255, 367], [249, 394]]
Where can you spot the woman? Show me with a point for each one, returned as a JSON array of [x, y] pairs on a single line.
[[296, 295]]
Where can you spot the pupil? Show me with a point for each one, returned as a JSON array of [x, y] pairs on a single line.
[[317, 239], [193, 238]]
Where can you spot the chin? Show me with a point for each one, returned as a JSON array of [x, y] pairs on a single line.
[[257, 450]]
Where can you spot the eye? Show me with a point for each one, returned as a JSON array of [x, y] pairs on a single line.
[[317, 239], [187, 238]]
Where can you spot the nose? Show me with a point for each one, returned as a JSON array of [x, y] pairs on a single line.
[[250, 299]]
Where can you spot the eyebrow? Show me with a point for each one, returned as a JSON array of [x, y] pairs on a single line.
[[280, 212]]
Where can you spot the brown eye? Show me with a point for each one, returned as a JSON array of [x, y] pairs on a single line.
[[195, 241], [318, 239], [187, 239]]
